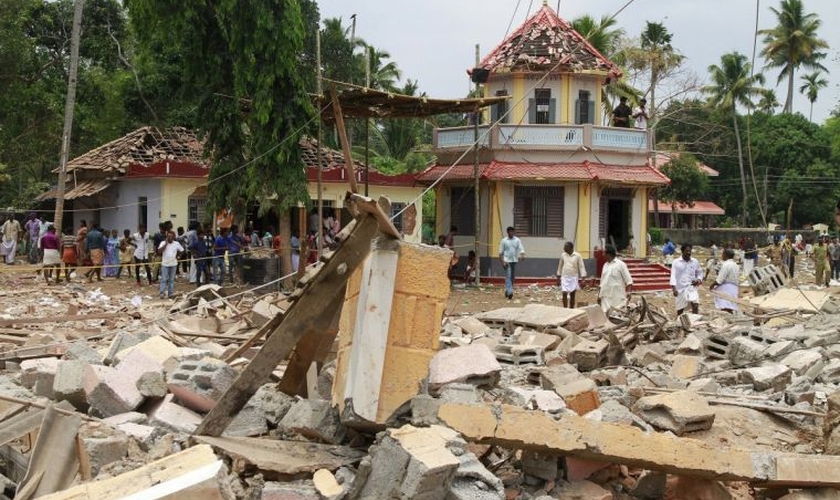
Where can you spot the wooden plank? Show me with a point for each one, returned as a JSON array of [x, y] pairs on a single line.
[[345, 143], [54, 461], [325, 288], [367, 205], [270, 325], [313, 347], [61, 319]]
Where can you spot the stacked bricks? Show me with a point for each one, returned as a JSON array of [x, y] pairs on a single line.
[[419, 300], [519, 354], [588, 355]]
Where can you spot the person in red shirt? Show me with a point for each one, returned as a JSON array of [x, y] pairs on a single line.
[[50, 245], [277, 245]]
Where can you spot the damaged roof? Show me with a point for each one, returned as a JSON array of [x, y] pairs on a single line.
[[145, 147], [545, 41], [334, 169]]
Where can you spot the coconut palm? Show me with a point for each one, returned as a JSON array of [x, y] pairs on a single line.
[[811, 85], [384, 74], [733, 86], [793, 43], [768, 102]]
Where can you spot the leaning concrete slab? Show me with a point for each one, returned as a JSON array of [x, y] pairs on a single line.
[[575, 436], [196, 471]]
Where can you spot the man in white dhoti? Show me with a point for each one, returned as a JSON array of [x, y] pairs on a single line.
[[686, 276], [727, 282], [10, 232], [569, 270], [616, 282]]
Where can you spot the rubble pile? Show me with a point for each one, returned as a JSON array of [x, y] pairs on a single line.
[[388, 398]]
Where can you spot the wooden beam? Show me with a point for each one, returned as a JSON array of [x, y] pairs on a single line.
[[302, 315], [60, 319], [345, 143]]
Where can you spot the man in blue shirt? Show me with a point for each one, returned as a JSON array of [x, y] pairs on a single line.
[[220, 246], [511, 252], [234, 243], [669, 248]]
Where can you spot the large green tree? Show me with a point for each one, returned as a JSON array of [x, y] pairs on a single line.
[[733, 86], [793, 43], [688, 182], [244, 61]]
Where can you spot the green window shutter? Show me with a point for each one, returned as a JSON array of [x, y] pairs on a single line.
[[552, 111], [532, 111], [577, 112], [591, 108]]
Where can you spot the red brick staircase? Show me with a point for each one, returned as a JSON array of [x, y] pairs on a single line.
[[648, 276]]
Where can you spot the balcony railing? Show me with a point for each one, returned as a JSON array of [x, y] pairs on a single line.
[[551, 137]]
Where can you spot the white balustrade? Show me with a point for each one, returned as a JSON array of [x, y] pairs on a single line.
[[619, 138], [541, 135]]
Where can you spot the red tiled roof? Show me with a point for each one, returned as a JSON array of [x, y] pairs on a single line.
[[544, 41], [585, 171], [167, 169], [699, 208], [662, 159], [335, 170]]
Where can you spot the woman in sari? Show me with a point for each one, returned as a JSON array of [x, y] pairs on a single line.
[[112, 257]]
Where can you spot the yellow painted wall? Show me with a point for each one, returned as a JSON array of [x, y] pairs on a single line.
[[494, 219], [584, 223], [568, 103], [174, 203], [520, 106]]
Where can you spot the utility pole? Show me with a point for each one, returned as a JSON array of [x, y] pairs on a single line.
[[69, 105], [476, 245], [320, 166]]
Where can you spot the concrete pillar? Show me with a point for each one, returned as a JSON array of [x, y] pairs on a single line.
[[389, 329]]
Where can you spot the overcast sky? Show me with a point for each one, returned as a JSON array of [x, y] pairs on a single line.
[[433, 41]]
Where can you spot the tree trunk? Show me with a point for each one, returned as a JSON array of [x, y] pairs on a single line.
[[811, 113], [789, 99], [69, 105], [741, 167], [286, 249], [652, 132], [790, 216]]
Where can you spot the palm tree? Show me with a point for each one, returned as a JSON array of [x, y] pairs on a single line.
[[793, 43], [733, 86], [659, 57], [384, 74], [811, 85], [768, 102]]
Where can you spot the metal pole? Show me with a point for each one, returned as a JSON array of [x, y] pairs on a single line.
[[320, 169], [69, 105], [476, 246], [368, 55]]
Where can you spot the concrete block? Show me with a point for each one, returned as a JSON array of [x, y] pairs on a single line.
[[801, 361], [424, 409], [155, 347], [102, 451], [775, 377], [39, 375], [470, 364], [175, 417], [327, 485], [471, 326], [580, 396], [824, 337], [314, 419], [648, 354], [144, 371], [144, 434], [778, 349], [519, 354], [108, 392], [199, 384], [537, 339], [82, 351], [588, 355], [69, 383], [459, 393], [690, 345], [813, 494], [122, 341], [539, 465], [554, 377], [411, 462], [831, 372], [472, 480], [582, 490], [250, 421], [744, 351], [717, 346], [685, 367], [678, 412], [273, 403], [695, 487]]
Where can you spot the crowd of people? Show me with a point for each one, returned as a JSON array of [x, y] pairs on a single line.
[[200, 254]]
